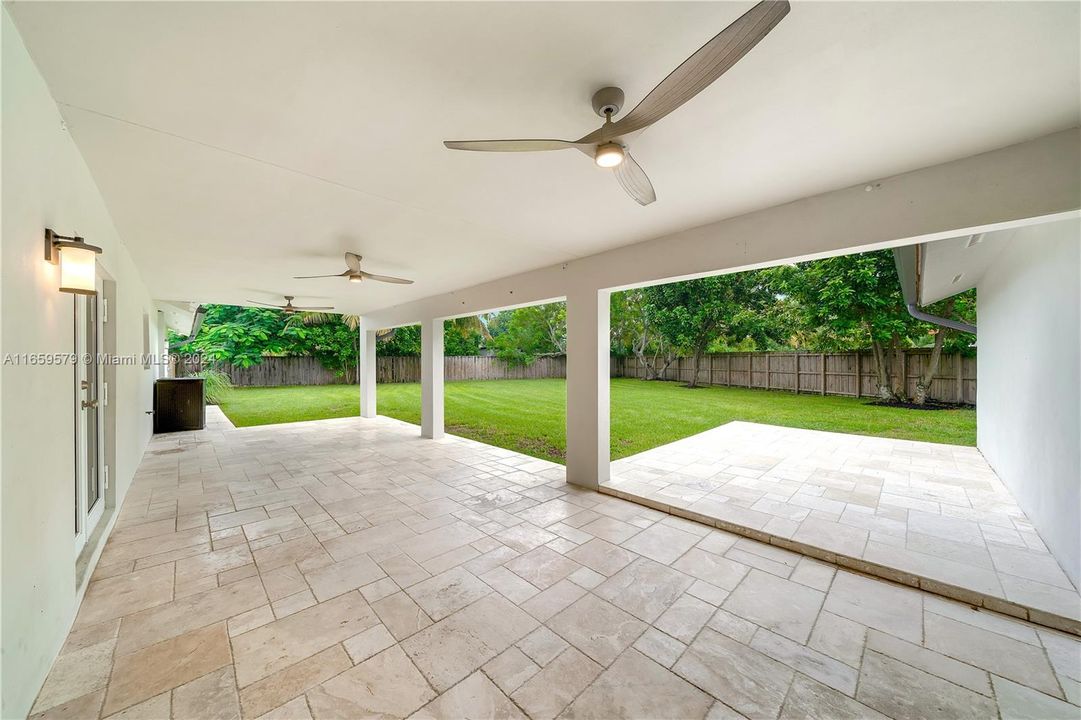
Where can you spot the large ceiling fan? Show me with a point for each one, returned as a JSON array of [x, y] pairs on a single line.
[[607, 144], [355, 274], [289, 308]]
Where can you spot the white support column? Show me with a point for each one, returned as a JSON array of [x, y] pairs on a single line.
[[588, 351], [431, 378], [366, 371]]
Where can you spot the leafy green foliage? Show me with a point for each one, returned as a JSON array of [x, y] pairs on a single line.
[[846, 302], [461, 339], [461, 336], [959, 307], [731, 309], [855, 301], [334, 344], [403, 342], [242, 336], [519, 336]]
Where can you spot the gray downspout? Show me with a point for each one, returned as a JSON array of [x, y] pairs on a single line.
[[915, 312], [909, 262]]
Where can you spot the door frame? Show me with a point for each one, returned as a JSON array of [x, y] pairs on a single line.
[[89, 388]]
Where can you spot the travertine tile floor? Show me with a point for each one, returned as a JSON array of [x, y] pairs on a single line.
[[935, 511], [348, 569]]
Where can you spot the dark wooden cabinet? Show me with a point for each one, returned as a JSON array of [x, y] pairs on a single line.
[[179, 404]]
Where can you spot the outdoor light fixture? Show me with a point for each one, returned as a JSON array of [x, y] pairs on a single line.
[[609, 155], [78, 262]]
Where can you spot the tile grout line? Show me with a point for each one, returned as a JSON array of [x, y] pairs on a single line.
[[865, 567]]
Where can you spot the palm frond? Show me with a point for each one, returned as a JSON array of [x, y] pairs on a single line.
[[474, 323], [308, 317]]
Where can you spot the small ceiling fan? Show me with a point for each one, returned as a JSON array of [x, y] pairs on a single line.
[[289, 308], [607, 144], [355, 274]]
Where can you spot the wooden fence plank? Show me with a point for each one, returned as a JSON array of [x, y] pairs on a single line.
[[835, 374]]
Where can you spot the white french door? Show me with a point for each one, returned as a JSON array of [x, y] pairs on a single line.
[[89, 439]]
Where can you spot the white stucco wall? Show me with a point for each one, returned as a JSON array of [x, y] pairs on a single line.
[[47, 184], [1029, 398]]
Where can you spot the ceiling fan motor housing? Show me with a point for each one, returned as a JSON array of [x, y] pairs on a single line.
[[608, 101]]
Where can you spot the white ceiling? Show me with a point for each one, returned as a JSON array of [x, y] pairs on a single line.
[[238, 144]]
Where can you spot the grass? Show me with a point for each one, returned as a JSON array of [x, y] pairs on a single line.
[[528, 415]]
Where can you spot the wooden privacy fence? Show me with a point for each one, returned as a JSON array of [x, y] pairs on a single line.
[[820, 373], [301, 370], [848, 373], [274, 371], [469, 367]]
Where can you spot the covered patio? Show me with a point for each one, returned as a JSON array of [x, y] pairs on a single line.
[[250, 153], [347, 568]]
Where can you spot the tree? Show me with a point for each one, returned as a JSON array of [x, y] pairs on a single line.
[[854, 301], [465, 335], [633, 332], [958, 307], [335, 345], [402, 342], [457, 341], [521, 335], [694, 313], [405, 341], [242, 336]]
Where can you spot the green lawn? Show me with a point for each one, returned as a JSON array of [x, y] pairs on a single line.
[[528, 415]]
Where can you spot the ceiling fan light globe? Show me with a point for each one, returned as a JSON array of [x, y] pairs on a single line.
[[608, 155], [355, 278]]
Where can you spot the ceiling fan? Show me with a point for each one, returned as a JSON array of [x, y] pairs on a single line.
[[289, 308], [607, 144], [355, 274]]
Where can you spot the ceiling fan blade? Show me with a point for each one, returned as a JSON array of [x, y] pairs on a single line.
[[309, 277], [634, 180], [256, 302], [311, 307], [353, 261], [509, 145], [386, 278], [698, 71]]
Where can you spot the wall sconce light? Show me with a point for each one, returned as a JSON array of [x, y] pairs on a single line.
[[78, 262]]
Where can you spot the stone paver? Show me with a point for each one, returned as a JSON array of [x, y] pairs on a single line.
[[394, 587], [934, 516]]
